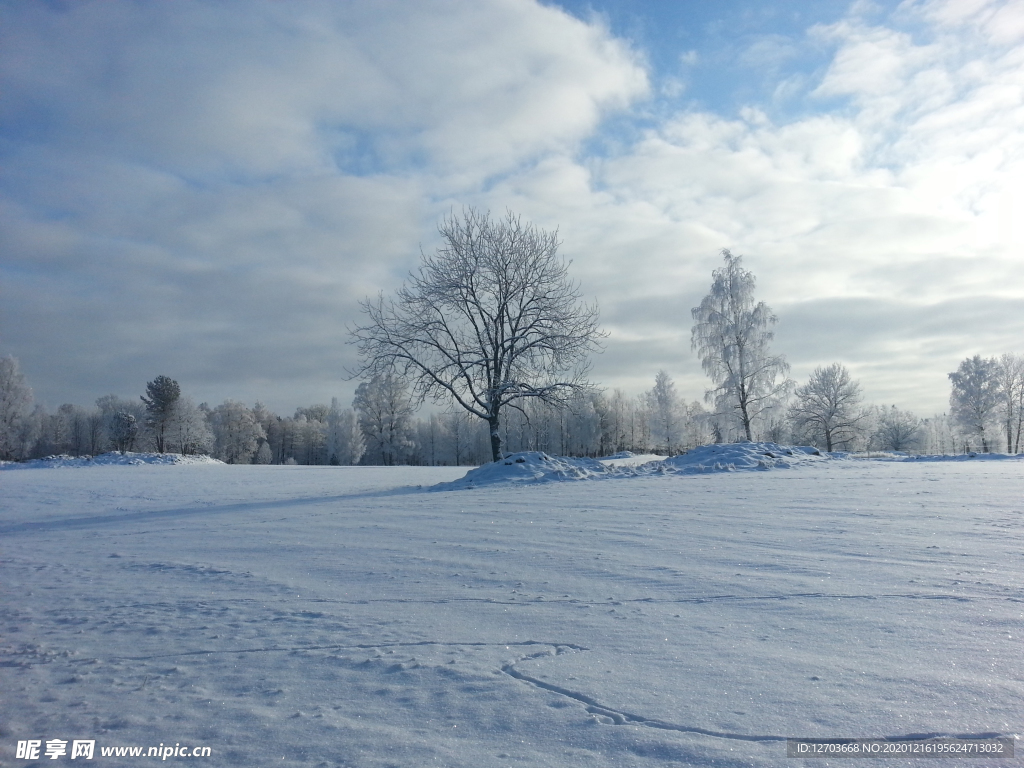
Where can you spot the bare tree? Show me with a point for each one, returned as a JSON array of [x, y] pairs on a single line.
[[939, 435], [490, 319], [1010, 372], [698, 425], [827, 406], [731, 333], [75, 429], [318, 412], [666, 415], [897, 430], [459, 433], [96, 432], [975, 396]]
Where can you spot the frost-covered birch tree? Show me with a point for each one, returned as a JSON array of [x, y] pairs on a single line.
[[236, 432], [974, 399], [489, 320], [188, 431], [939, 435], [732, 333], [345, 443], [666, 417], [15, 402], [385, 411]]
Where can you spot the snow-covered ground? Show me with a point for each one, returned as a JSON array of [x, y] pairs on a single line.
[[630, 459], [337, 616]]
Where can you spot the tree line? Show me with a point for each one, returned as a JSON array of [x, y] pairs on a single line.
[[494, 332], [383, 426]]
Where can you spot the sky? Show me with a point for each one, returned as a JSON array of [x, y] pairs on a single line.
[[206, 190]]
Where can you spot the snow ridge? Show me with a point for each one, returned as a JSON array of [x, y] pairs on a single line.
[[113, 458], [531, 467], [743, 456], [539, 467]]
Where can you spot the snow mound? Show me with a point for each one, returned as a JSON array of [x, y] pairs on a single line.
[[530, 467], [108, 459], [539, 467], [740, 456]]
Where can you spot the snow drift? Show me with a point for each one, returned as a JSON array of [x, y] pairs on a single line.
[[539, 467], [531, 467], [741, 456], [108, 459]]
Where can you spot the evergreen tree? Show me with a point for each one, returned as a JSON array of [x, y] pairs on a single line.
[[161, 395]]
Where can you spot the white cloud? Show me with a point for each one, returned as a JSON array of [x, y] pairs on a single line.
[[207, 190], [768, 52], [1001, 23], [262, 89]]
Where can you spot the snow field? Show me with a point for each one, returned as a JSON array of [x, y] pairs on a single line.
[[331, 616]]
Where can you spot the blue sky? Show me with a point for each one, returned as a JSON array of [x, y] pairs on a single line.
[[722, 56], [206, 189]]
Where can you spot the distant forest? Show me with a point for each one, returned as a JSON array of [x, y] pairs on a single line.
[[381, 426]]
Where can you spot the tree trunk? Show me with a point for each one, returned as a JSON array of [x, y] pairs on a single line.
[[492, 425], [746, 422]]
